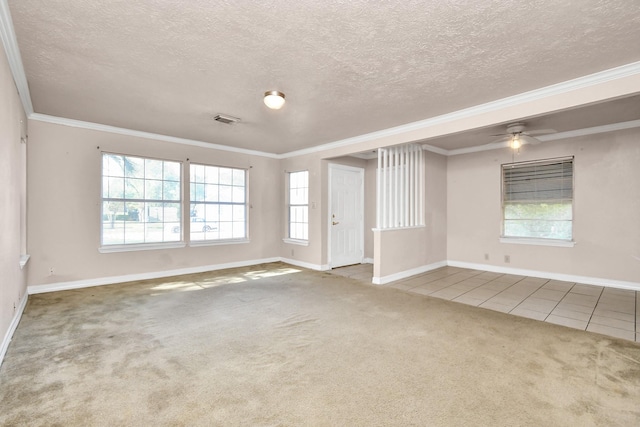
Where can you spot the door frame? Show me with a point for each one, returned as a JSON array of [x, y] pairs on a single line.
[[332, 167]]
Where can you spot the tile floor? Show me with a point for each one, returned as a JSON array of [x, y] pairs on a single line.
[[608, 311]]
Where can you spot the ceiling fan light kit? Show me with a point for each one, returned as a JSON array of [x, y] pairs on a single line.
[[517, 135]]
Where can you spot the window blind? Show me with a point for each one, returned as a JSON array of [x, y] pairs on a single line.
[[548, 180]]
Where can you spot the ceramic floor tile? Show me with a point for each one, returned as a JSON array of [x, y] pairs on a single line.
[[570, 314], [466, 299], [563, 321], [557, 285], [579, 299], [421, 291], [549, 294], [482, 293], [575, 307], [433, 287], [613, 332], [496, 306], [402, 286], [499, 286], [448, 293], [587, 289], [614, 323], [506, 300], [627, 317], [538, 304], [621, 308], [531, 314]]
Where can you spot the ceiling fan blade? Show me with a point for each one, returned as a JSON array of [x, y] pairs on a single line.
[[529, 139], [504, 139], [501, 134], [540, 132]]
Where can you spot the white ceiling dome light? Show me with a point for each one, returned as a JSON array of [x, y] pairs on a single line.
[[274, 99]]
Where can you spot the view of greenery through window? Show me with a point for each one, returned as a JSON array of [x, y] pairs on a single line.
[[538, 220], [140, 200]]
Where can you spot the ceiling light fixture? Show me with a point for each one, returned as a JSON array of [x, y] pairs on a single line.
[[274, 99]]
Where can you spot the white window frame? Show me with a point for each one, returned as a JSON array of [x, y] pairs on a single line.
[[171, 242], [293, 203], [540, 241], [212, 225]]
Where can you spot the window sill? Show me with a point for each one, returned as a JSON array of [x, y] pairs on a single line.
[[23, 260], [140, 247], [296, 242], [218, 242], [538, 242]]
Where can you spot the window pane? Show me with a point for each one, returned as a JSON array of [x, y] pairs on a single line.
[[153, 190], [238, 229], [211, 193], [238, 213], [226, 230], [197, 173], [238, 177], [211, 174], [115, 188], [133, 188], [237, 194], [226, 176], [133, 167], [153, 169], [226, 213], [113, 165], [171, 171], [225, 193], [171, 190]]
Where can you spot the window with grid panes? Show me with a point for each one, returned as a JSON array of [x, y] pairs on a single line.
[[299, 205], [218, 203], [141, 200]]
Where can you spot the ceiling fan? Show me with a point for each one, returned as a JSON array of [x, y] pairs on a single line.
[[516, 135]]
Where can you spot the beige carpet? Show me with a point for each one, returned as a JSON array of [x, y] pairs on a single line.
[[274, 345]]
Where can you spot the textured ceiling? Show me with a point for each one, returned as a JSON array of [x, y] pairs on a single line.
[[347, 67]]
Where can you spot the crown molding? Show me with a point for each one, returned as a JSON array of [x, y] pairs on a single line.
[[8, 36], [147, 135]]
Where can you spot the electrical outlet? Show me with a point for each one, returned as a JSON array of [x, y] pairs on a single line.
[[486, 257], [292, 252], [507, 259], [51, 272]]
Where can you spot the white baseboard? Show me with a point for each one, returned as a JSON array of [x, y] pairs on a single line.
[[77, 284], [367, 261], [547, 275], [12, 327], [407, 273], [304, 264]]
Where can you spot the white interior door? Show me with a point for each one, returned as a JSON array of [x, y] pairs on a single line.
[[346, 215]]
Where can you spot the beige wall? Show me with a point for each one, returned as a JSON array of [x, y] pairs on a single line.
[[64, 206], [12, 128], [606, 214]]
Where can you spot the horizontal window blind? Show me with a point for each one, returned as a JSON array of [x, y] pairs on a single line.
[[549, 180]]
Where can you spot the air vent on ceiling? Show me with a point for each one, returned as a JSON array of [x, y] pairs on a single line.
[[227, 120]]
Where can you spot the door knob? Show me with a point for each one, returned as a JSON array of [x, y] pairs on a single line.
[[335, 222]]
